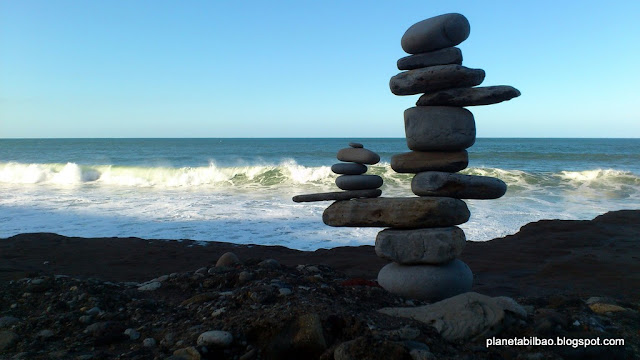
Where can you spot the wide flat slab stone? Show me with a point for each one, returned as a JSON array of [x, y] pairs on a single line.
[[420, 246], [436, 33], [459, 186], [405, 213], [446, 56], [358, 155], [426, 282], [338, 195], [439, 128], [349, 168], [485, 95], [419, 161], [435, 78], [358, 182]]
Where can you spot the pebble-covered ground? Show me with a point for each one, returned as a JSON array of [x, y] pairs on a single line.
[[264, 310]]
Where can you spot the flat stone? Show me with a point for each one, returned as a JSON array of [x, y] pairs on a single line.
[[485, 95], [421, 246], [349, 168], [403, 213], [435, 78], [465, 316], [358, 155], [356, 145], [227, 259], [419, 161], [439, 128], [436, 33], [426, 282], [459, 186], [338, 195], [358, 182], [446, 56], [215, 338]]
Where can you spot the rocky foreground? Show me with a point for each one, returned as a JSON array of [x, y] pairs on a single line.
[[569, 279]]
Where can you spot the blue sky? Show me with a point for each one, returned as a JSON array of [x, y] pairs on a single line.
[[303, 68]]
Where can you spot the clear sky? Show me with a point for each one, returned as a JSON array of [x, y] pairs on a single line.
[[304, 68]]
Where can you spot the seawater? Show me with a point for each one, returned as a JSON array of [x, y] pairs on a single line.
[[239, 190]]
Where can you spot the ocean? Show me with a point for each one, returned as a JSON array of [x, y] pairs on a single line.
[[240, 190]]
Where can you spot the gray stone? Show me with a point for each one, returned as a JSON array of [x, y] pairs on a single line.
[[45, 334], [465, 316], [439, 128], [426, 282], [419, 161], [132, 334], [446, 56], [436, 33], [358, 182], [349, 168], [149, 342], [356, 145], [7, 321], [338, 195], [486, 95], [227, 259], [152, 286], [358, 155], [434, 78], [215, 338], [8, 339], [459, 186], [407, 213], [421, 246]]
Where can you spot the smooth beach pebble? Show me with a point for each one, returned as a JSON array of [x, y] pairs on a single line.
[[356, 145], [436, 33], [227, 259], [349, 168], [215, 338], [419, 161], [358, 182], [358, 155], [486, 95], [338, 195], [446, 56], [459, 186], [435, 78], [439, 128]]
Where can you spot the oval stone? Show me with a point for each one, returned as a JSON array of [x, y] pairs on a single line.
[[358, 155], [358, 182], [439, 128], [459, 186], [349, 168], [419, 161], [421, 246], [356, 145], [338, 195], [446, 56], [434, 78], [426, 282], [485, 95], [436, 33], [402, 213]]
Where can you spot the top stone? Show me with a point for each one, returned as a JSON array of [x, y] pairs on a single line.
[[356, 145], [436, 33], [358, 155]]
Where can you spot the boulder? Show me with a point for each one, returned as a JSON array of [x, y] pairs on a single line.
[[421, 246], [358, 155], [486, 95], [358, 182], [435, 78], [407, 213], [459, 186], [446, 56], [338, 195], [419, 161], [436, 33], [349, 168], [439, 128], [426, 282]]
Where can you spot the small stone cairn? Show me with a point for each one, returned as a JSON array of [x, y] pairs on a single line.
[[352, 180], [422, 239]]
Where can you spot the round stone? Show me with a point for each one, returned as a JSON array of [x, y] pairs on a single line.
[[358, 155], [435, 78], [227, 259], [358, 182], [421, 246], [215, 338], [338, 195], [356, 145], [446, 56], [436, 33], [349, 168], [459, 186], [439, 128], [426, 282], [485, 95], [419, 161]]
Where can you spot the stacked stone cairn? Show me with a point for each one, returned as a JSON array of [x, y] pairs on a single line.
[[352, 180]]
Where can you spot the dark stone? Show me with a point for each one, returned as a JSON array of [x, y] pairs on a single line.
[[419, 161], [439, 128], [358, 155], [358, 182], [486, 95], [446, 56], [435, 78], [349, 168], [420, 246], [338, 195], [459, 186], [356, 145], [436, 33]]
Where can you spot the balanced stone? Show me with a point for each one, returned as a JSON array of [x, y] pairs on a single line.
[[439, 128], [436, 33], [338, 195], [450, 55], [421, 246], [459, 186], [358, 155], [426, 282], [356, 145], [434, 78], [486, 95], [403, 213], [419, 161], [358, 182], [349, 168]]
